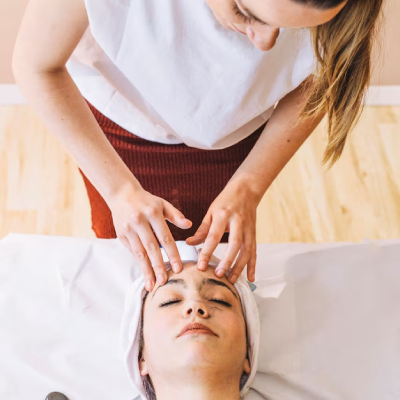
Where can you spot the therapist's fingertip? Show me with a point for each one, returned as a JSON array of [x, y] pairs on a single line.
[[149, 285], [160, 279], [182, 222], [202, 266], [176, 267], [233, 278], [219, 272], [251, 276], [188, 223]]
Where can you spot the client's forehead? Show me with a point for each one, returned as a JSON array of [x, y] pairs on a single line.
[[190, 273]]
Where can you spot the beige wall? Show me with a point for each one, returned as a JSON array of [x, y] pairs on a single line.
[[387, 73], [387, 69], [11, 12]]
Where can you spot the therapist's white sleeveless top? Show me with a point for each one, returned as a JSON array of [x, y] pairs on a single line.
[[167, 71]]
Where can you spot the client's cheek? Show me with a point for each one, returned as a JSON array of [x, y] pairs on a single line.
[[167, 326], [160, 331], [229, 324], [236, 329]]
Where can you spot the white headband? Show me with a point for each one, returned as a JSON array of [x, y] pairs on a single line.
[[130, 328]]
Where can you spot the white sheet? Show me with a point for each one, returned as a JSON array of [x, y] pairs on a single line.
[[331, 322], [334, 333]]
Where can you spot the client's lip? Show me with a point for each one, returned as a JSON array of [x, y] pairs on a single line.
[[196, 328], [237, 29]]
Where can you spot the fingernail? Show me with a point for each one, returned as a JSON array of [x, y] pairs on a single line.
[[219, 272], [160, 279], [203, 265], [233, 278], [176, 267], [148, 285]]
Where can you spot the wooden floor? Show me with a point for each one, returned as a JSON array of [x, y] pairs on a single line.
[[42, 192]]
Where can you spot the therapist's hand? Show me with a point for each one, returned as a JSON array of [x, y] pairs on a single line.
[[233, 211], [139, 220]]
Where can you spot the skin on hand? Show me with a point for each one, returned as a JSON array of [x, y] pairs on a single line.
[[233, 211], [139, 220]]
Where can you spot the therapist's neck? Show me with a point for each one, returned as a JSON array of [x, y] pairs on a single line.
[[218, 387]]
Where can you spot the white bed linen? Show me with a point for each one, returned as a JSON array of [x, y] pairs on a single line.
[[330, 319], [334, 332]]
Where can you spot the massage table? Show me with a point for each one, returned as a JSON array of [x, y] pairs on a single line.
[[330, 319]]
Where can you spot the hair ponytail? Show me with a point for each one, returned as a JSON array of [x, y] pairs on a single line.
[[343, 48]]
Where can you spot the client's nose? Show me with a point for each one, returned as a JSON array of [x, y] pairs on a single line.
[[196, 307]]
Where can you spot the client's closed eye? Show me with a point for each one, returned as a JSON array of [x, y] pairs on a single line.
[[169, 302], [215, 300], [223, 302]]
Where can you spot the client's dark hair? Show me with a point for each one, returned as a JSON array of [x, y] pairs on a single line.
[[146, 380]]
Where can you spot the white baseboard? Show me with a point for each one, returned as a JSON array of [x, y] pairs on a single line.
[[10, 95], [383, 96], [377, 95]]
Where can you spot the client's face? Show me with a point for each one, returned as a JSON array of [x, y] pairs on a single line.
[[194, 324]]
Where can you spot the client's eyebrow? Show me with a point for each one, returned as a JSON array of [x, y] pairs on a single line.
[[172, 282], [215, 282], [208, 281]]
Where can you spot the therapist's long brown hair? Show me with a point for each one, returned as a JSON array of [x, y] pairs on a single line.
[[343, 48]]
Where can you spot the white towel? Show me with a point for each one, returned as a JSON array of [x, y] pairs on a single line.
[[130, 328]]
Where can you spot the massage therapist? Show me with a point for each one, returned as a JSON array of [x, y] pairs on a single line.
[[186, 110]]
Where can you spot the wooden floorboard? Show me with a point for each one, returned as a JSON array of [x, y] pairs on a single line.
[[41, 190]]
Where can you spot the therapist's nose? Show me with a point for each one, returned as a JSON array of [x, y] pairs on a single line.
[[263, 37], [195, 308]]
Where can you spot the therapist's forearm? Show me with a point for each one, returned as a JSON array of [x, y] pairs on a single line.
[[59, 103], [50, 32], [278, 143]]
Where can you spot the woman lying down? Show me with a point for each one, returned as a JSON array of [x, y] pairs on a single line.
[[196, 337]]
